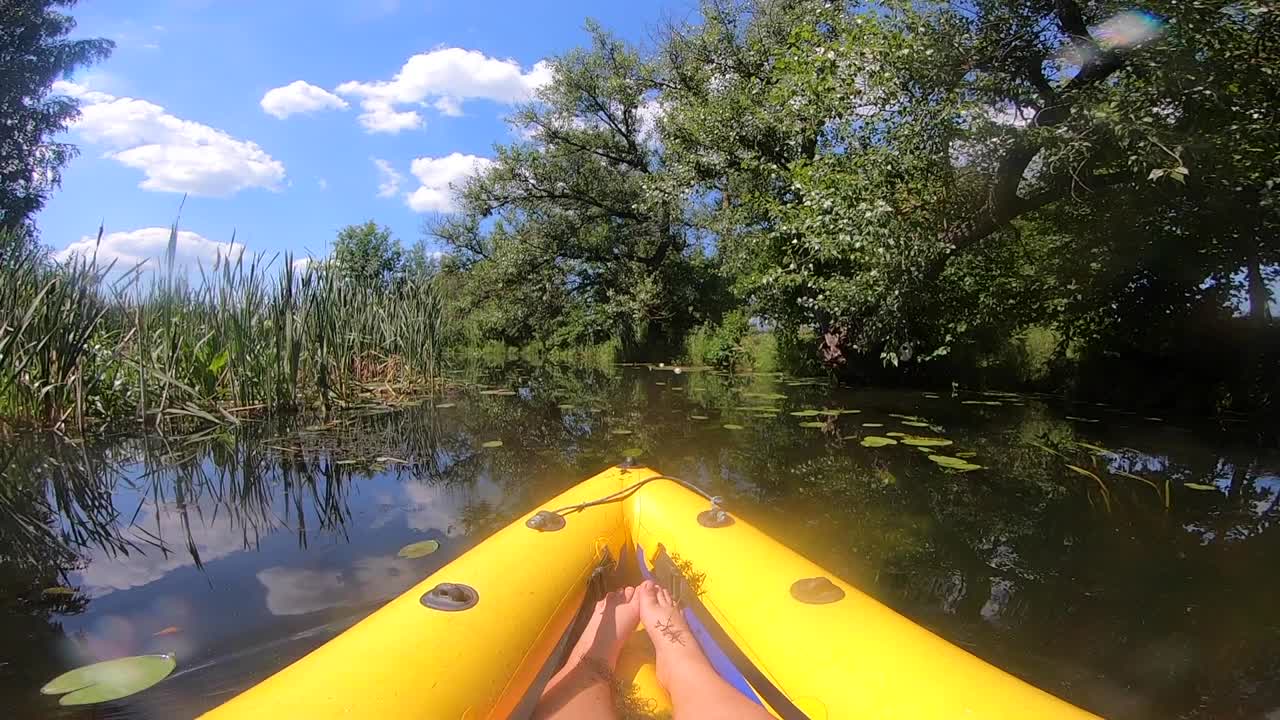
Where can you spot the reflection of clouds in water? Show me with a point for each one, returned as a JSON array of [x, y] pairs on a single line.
[[298, 591], [440, 507], [213, 534]]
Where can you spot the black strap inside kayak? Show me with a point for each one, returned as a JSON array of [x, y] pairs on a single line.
[[669, 576]]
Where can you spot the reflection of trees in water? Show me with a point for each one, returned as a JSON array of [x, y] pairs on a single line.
[[1013, 561]]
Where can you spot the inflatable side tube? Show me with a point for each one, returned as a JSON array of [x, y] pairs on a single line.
[[410, 661], [848, 656]]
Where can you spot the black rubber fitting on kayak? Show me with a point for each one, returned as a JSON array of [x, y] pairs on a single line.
[[628, 463], [716, 517], [545, 521], [816, 591], [451, 597]]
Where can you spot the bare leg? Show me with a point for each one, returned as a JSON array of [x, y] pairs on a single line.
[[696, 690], [584, 686]]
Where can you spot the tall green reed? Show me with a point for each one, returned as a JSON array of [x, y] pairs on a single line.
[[82, 342]]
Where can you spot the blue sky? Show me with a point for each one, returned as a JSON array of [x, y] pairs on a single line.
[[186, 104]]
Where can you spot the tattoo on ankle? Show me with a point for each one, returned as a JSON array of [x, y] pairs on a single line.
[[670, 632]]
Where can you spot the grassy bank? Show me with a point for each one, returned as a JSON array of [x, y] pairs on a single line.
[[82, 344]]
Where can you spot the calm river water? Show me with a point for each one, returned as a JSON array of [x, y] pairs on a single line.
[[1141, 584]]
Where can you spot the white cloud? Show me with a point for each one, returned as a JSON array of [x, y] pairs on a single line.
[[439, 177], [298, 591], [147, 246], [324, 184], [388, 178], [175, 155], [449, 106], [300, 97], [449, 75]]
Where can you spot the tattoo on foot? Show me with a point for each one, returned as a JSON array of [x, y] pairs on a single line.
[[670, 632]]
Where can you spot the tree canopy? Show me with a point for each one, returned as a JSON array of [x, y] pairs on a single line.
[[905, 178], [34, 52]]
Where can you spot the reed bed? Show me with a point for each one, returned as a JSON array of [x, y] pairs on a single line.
[[87, 344]]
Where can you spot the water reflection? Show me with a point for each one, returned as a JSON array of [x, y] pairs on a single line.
[[1136, 584]]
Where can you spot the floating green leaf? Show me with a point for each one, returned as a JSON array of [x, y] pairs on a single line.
[[906, 417], [967, 454], [419, 549], [659, 383], [896, 434], [931, 396], [915, 423], [110, 680], [981, 402], [731, 426], [1081, 419], [565, 406], [699, 417], [831, 413], [620, 431], [446, 405], [813, 424], [633, 452], [491, 444], [919, 441], [954, 463], [59, 591], [875, 441], [1199, 486], [872, 425], [805, 413]]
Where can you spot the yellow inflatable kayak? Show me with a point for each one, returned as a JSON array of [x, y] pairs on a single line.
[[479, 638]]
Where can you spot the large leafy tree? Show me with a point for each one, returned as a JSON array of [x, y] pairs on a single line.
[[866, 161], [34, 52], [368, 255], [575, 234]]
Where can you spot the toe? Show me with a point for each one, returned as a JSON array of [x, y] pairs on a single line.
[[628, 593]]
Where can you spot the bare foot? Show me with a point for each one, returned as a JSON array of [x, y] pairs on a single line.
[[673, 643], [583, 688], [697, 691]]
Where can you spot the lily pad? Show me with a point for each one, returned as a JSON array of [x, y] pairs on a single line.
[[804, 413], [699, 417], [915, 423], [967, 454], [813, 424], [491, 444], [896, 434], [1199, 486], [504, 393], [445, 405], [906, 417], [59, 591], [731, 426], [620, 431], [633, 452], [954, 463], [110, 680], [659, 383], [931, 396], [917, 441], [419, 549], [874, 441], [981, 402], [872, 425], [565, 406]]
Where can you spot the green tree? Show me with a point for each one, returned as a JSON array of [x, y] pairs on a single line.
[[34, 52], [865, 165], [368, 255], [577, 234]]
